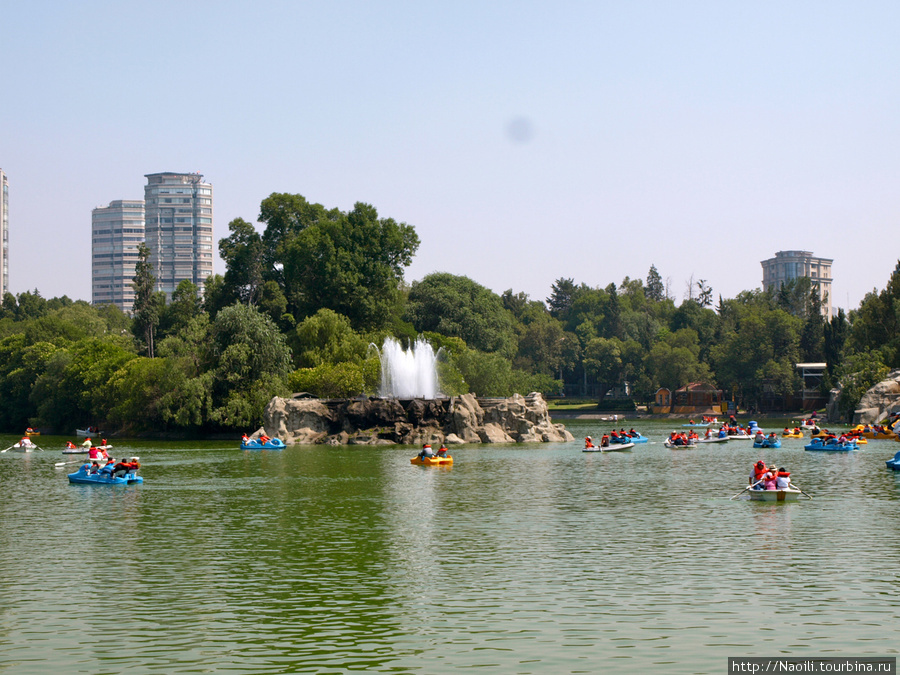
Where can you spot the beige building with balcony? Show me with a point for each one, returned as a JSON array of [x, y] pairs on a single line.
[[788, 265]]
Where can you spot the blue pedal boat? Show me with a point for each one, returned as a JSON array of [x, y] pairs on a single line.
[[271, 444], [832, 445], [84, 477]]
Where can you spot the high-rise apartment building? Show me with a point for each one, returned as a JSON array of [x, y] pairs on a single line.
[[788, 265], [116, 231], [179, 228], [4, 234]]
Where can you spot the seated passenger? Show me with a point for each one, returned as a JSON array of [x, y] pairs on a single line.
[[769, 480], [588, 443], [442, 451], [108, 468], [782, 479], [426, 451], [70, 445], [604, 441], [757, 474]]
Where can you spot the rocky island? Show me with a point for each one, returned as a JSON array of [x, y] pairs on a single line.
[[388, 421]]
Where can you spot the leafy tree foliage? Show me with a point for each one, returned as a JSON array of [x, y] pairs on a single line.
[[352, 264], [459, 307], [146, 302]]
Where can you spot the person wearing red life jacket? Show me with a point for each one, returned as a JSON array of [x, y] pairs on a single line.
[[782, 479], [757, 474], [588, 443]]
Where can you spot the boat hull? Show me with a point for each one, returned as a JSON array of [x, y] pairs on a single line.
[[273, 444], [715, 439], [689, 446], [432, 461], [767, 444], [82, 477], [819, 446], [787, 495], [612, 447]]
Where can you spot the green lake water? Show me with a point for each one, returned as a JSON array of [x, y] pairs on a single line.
[[518, 559]]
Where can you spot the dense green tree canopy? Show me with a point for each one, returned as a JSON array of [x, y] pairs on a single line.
[[457, 306]]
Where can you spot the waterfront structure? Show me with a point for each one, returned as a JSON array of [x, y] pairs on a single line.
[[179, 228], [116, 231], [4, 234], [789, 265]]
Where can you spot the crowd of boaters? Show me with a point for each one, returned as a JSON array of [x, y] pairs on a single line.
[[613, 436]]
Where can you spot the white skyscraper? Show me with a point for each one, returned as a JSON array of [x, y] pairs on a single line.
[[116, 231], [4, 234], [179, 228]]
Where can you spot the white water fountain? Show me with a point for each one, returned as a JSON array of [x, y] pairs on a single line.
[[408, 373]]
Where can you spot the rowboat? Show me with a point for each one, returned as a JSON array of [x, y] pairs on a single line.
[[271, 444], [612, 447], [714, 439], [688, 446], [740, 437], [432, 461], [82, 476], [84, 433], [25, 445], [785, 495], [833, 445]]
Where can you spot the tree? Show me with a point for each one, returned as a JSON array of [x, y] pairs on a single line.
[[242, 252], [656, 291], [146, 306], [352, 264], [327, 338], [285, 216], [560, 300], [459, 307], [252, 361]]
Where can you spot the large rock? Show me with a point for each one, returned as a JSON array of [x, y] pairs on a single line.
[[879, 401], [460, 420]]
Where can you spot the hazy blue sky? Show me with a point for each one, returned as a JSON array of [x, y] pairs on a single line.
[[524, 141]]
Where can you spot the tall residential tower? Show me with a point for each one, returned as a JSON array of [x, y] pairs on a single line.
[[116, 231], [179, 228], [788, 265], [4, 234]]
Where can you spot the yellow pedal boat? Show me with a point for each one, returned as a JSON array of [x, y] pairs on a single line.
[[432, 461], [792, 435]]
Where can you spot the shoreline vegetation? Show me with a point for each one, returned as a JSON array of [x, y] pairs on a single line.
[[309, 289]]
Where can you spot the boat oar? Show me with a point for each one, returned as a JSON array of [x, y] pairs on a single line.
[[801, 491], [71, 461], [8, 449], [747, 488]]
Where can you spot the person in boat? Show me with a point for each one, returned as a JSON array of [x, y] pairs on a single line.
[[708, 433], [427, 452], [588, 443], [691, 437], [93, 468], [613, 436], [633, 433], [87, 443], [757, 473], [126, 467], [442, 451], [782, 479], [604, 441], [245, 438], [263, 439], [70, 445], [108, 468], [770, 480]]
